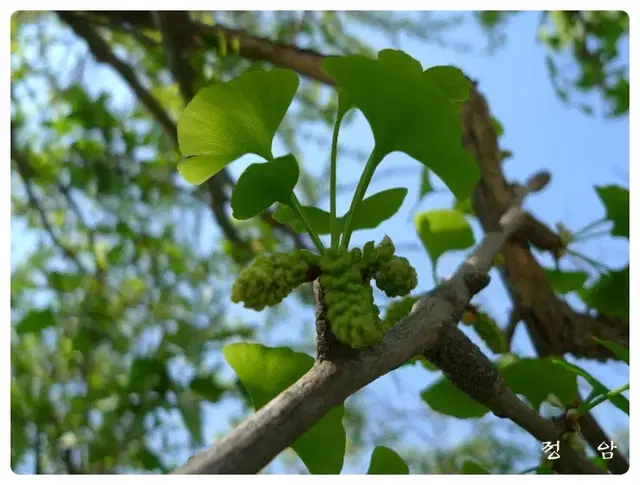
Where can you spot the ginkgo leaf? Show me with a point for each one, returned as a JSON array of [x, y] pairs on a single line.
[[411, 110], [616, 202], [385, 461], [371, 212], [263, 184], [566, 281], [443, 230], [265, 372], [225, 121]]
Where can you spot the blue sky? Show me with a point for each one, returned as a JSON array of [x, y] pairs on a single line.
[[543, 133]]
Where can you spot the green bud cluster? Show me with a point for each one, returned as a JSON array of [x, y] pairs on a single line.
[[489, 331], [352, 314], [396, 277], [393, 274], [271, 278], [345, 280]]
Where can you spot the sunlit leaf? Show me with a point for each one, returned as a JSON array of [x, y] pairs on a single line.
[[225, 121], [443, 230], [616, 202], [411, 111], [266, 372], [445, 398]]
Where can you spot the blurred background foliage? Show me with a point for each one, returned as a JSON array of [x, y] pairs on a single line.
[[119, 294]]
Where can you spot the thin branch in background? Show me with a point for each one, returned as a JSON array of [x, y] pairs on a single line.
[[102, 52], [514, 319], [24, 170], [310, 69]]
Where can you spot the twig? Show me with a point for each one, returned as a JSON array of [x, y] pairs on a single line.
[[429, 328], [24, 171], [102, 52], [595, 435], [524, 278], [514, 319]]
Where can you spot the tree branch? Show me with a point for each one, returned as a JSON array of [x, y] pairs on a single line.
[[566, 325], [595, 435], [554, 327], [430, 328], [102, 52], [549, 319], [25, 171], [552, 324]]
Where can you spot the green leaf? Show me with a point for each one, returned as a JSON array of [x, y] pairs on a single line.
[[228, 120], [610, 294], [425, 183], [411, 111], [464, 206], [619, 350], [376, 209], [148, 459], [36, 321], [450, 80], [616, 202], [619, 401], [443, 230], [535, 379], [318, 218], [385, 461], [265, 372], [445, 397], [470, 467], [65, 282], [497, 127], [372, 212], [566, 281], [207, 387], [192, 416], [263, 184]]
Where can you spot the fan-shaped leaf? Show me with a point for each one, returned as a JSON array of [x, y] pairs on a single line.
[[443, 230], [385, 461], [411, 111], [265, 372], [228, 120], [263, 184]]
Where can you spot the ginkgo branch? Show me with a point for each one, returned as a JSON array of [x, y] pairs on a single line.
[[430, 329]]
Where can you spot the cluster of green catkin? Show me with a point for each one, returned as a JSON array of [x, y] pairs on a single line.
[[271, 278], [348, 296], [345, 280]]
